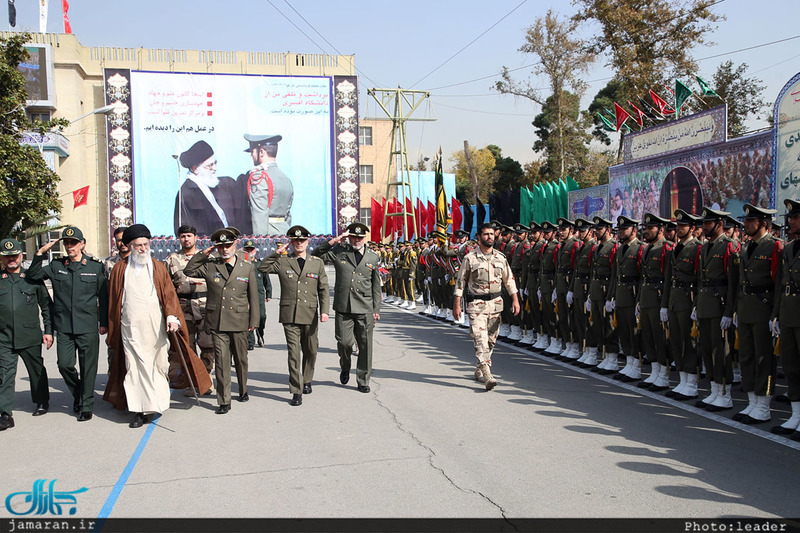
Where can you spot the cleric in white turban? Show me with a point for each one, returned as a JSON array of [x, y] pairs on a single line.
[[143, 313]]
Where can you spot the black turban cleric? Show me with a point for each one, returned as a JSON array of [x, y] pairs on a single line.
[[134, 232]]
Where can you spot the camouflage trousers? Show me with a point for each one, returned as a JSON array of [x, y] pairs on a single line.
[[483, 328]]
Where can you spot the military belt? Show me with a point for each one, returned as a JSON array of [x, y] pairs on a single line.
[[792, 289], [193, 295], [756, 289], [535, 272], [548, 275], [602, 279], [713, 282], [564, 270], [653, 280], [277, 219], [583, 277], [679, 284], [486, 297], [629, 279]]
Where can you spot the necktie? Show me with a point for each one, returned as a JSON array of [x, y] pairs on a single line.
[[751, 248]]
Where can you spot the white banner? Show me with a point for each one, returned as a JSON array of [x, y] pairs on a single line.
[[43, 16]]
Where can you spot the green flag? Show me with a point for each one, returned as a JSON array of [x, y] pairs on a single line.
[[525, 205], [572, 185], [706, 88], [682, 92], [538, 203], [552, 202], [564, 191], [607, 125]]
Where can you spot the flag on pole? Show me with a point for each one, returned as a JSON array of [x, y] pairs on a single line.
[[65, 8], [409, 220], [621, 115], [706, 88], [649, 110], [638, 114], [43, 16], [607, 124], [443, 219], [12, 13], [376, 222], [80, 197], [661, 104], [682, 93], [457, 218], [431, 217]]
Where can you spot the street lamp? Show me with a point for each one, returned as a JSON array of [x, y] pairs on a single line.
[[105, 110]]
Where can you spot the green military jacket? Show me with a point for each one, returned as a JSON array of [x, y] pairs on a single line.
[[759, 275], [680, 277], [517, 257], [583, 271], [625, 274], [787, 302], [547, 273], [565, 265], [718, 276], [232, 301], [358, 284], [80, 293], [655, 258], [21, 301], [531, 264], [302, 291], [602, 266]]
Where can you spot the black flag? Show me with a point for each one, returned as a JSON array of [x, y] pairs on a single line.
[[650, 111], [12, 13]]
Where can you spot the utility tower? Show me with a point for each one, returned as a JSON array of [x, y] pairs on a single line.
[[399, 104]]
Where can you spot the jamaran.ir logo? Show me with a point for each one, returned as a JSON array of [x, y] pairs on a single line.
[[43, 500]]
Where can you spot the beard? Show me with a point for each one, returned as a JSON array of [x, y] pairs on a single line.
[[140, 258], [207, 177]]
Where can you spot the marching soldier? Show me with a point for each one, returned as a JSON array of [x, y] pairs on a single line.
[[521, 245], [532, 289], [760, 271], [530, 265], [264, 295], [192, 297], [621, 296], [421, 273], [21, 301], [506, 248], [80, 294], [579, 292], [718, 277], [565, 267], [602, 264], [657, 253], [680, 291], [304, 291], [785, 321], [547, 287]]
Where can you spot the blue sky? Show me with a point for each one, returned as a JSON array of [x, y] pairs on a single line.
[[400, 43]]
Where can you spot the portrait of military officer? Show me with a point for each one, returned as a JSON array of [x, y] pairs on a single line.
[[268, 191], [80, 314], [21, 301], [304, 304]]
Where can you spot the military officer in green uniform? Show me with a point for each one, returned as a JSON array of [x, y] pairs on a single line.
[[680, 291], [759, 273], [547, 280], [304, 303], [621, 296], [656, 254], [532, 288], [785, 322], [264, 295], [718, 277], [21, 301], [80, 303], [530, 321], [579, 292], [231, 309], [356, 299], [602, 265], [565, 269], [267, 189]]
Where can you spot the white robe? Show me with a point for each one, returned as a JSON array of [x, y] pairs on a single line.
[[145, 343]]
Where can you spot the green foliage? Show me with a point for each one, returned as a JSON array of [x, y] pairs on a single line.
[[564, 147], [604, 99], [743, 95], [28, 189]]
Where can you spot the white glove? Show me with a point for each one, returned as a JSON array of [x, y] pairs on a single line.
[[736, 320], [609, 306], [588, 305], [570, 297], [539, 293], [694, 314], [664, 314], [430, 279], [523, 292], [447, 277], [638, 311], [725, 323], [553, 297], [775, 327]]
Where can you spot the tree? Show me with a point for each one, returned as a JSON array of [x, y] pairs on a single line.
[[562, 59], [28, 189], [421, 164], [564, 147], [603, 100], [743, 95], [484, 163]]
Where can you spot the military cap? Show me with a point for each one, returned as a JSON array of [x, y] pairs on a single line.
[[519, 227], [298, 232], [134, 232], [548, 226], [420, 240], [730, 222], [249, 243], [431, 235], [224, 236], [776, 226], [564, 223], [751, 211], [234, 230], [10, 246], [199, 152], [682, 217], [625, 222], [357, 229], [496, 224], [535, 226], [583, 224], [186, 228], [601, 222], [672, 226], [654, 220], [71, 232], [460, 233], [506, 229], [256, 141], [712, 215], [792, 207]]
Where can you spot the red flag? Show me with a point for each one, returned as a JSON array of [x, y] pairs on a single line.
[[409, 220], [639, 114], [65, 7], [80, 197], [418, 213], [376, 224], [622, 115], [456, 213], [662, 105], [398, 220], [431, 217], [423, 219]]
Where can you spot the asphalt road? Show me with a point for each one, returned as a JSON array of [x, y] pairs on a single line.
[[427, 441]]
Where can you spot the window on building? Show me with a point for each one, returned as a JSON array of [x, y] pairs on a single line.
[[365, 216], [365, 173], [44, 116], [365, 135]]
